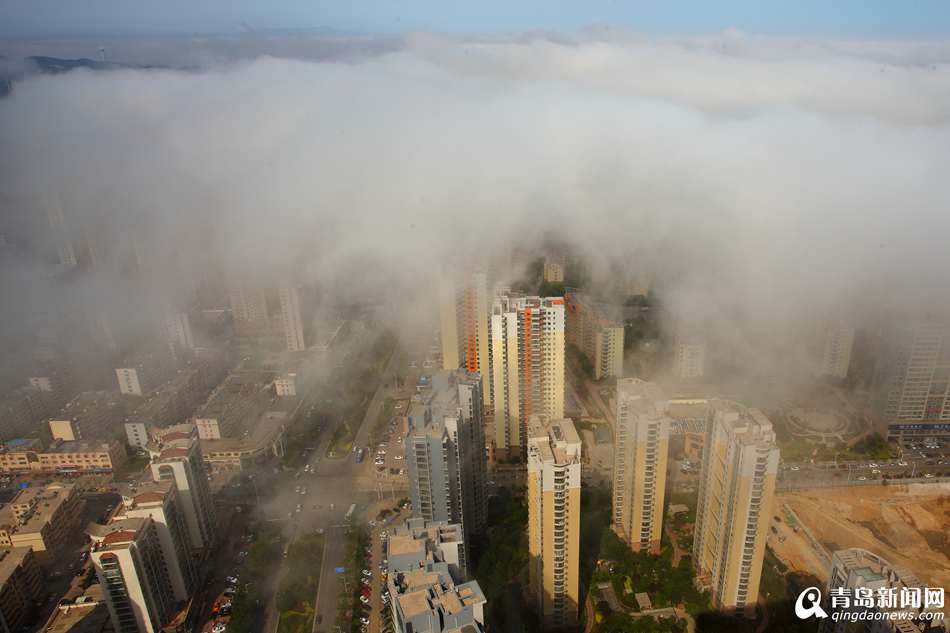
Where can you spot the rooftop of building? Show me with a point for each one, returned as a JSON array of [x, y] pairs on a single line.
[[440, 397], [10, 559], [430, 588], [155, 402], [642, 396], [554, 441], [43, 502], [149, 492], [20, 444], [93, 405], [88, 613], [509, 302], [239, 402], [270, 424], [118, 534], [749, 426], [78, 446], [872, 568]]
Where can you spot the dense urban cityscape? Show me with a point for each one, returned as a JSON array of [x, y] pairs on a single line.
[[287, 349]]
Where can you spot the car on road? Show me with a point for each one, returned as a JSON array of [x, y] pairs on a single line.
[[795, 468], [872, 465], [398, 457], [231, 580], [862, 478], [875, 471], [298, 509], [928, 475], [220, 627]]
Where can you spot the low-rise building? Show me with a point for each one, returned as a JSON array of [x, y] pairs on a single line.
[[863, 584], [86, 613], [21, 587], [174, 401], [23, 456], [145, 370], [42, 518], [81, 456], [22, 410], [263, 442], [91, 415]]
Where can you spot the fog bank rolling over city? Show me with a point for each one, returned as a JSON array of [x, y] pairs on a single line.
[[771, 183]]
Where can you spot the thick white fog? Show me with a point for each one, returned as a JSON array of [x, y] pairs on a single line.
[[770, 183]]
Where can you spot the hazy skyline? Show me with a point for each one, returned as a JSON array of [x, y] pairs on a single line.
[[769, 182]]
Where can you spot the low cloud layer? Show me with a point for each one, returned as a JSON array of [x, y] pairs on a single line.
[[771, 183]]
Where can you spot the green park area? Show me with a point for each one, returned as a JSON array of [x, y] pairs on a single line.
[[298, 587], [257, 572]]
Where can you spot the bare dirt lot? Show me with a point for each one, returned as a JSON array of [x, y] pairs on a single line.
[[907, 525]]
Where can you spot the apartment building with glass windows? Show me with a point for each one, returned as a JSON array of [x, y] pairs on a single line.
[[527, 365], [736, 495], [554, 514], [641, 450], [445, 451]]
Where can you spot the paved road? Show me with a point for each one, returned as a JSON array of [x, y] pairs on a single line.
[[335, 483], [829, 474]]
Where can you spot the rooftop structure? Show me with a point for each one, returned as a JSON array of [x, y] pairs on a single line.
[[237, 404], [421, 582], [41, 517], [91, 415], [861, 575], [87, 613]]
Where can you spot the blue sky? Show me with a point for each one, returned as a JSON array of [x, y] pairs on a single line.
[[842, 18]]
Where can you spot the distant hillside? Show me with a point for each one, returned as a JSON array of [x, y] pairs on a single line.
[[12, 71]]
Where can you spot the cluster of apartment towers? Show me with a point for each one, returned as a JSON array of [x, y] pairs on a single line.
[[505, 371]]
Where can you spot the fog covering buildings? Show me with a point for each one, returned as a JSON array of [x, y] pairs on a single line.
[[757, 245]]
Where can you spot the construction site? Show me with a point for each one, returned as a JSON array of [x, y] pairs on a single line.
[[906, 524]]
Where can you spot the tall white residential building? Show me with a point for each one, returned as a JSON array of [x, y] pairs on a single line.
[[159, 501], [527, 365], [177, 457], [464, 306], [689, 358], [734, 509], [837, 356], [445, 452], [292, 318], [641, 449], [131, 566], [912, 381], [554, 520]]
